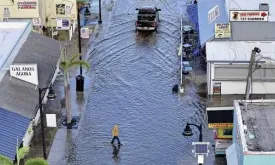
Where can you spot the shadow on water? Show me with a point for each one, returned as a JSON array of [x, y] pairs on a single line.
[[116, 156]]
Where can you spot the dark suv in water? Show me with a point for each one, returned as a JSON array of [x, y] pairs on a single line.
[[147, 18]]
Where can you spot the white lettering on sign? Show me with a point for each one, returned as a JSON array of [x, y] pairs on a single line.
[[27, 4], [213, 14], [252, 16], [25, 72]]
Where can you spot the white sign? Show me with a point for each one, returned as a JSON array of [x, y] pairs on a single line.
[[25, 72], [213, 14], [252, 16], [36, 22], [63, 24], [6, 12], [51, 120], [68, 10], [85, 33]]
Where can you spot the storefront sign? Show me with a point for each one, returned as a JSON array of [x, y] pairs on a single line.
[[213, 14], [220, 125], [85, 33], [217, 88], [6, 13], [222, 30], [25, 72], [36, 22], [63, 24], [252, 16], [27, 4]]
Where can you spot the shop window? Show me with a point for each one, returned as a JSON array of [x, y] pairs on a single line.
[[227, 132]]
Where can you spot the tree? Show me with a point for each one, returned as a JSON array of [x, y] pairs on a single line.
[[5, 160], [36, 161], [65, 66]]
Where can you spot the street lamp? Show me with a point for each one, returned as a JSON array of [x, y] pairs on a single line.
[[50, 96], [80, 77], [188, 131]]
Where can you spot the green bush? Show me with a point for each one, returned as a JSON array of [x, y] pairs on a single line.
[[36, 161], [5, 160]]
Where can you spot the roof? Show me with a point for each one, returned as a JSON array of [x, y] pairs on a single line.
[[10, 32], [19, 96], [236, 51], [256, 125], [251, 5], [254, 31], [207, 27], [12, 126]]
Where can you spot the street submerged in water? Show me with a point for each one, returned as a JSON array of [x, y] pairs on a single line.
[[132, 79]]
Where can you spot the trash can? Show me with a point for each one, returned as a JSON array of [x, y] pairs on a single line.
[[79, 83]]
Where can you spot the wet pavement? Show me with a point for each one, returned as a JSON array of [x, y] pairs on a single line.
[[131, 81]]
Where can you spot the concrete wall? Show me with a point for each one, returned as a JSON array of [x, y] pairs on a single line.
[[259, 160], [237, 142], [237, 86]]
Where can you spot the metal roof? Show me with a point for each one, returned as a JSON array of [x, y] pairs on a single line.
[[19, 96], [9, 34], [12, 126], [235, 51]]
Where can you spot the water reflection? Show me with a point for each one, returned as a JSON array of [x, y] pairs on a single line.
[[116, 149]]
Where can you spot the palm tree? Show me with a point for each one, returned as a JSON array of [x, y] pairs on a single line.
[[65, 66]]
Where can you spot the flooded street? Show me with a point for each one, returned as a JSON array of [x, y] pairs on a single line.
[[132, 77]]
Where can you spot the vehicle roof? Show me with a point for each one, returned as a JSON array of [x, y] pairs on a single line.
[[147, 8]]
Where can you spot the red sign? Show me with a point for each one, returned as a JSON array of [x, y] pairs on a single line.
[[27, 4]]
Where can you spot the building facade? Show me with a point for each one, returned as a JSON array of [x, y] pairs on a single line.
[[227, 67], [52, 16]]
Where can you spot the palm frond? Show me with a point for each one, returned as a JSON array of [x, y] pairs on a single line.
[[84, 64], [5, 160], [63, 64], [74, 57], [22, 152]]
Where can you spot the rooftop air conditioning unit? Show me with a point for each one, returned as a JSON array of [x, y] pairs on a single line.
[[264, 7]]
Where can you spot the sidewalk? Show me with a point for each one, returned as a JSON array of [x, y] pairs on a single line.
[[59, 140]]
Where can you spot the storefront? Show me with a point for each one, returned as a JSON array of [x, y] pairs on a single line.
[[220, 119]]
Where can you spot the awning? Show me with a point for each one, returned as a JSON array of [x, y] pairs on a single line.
[[231, 155]]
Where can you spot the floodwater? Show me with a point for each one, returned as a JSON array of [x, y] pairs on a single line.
[[132, 78]]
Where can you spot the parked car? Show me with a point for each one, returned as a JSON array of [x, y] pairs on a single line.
[[147, 18], [186, 67]]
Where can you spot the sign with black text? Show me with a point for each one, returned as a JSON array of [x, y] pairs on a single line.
[[25, 72], [249, 15]]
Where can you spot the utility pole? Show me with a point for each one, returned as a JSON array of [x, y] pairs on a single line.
[[250, 71]]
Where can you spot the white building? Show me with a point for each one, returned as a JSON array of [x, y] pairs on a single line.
[[253, 133], [227, 67], [252, 5]]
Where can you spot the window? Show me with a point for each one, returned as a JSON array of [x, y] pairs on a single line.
[[227, 132]]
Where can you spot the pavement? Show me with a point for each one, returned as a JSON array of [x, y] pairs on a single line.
[[58, 140]]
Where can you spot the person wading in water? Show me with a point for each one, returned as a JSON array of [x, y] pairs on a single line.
[[115, 132]]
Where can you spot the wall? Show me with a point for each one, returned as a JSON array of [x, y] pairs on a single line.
[[51, 13], [238, 87], [15, 12], [206, 25], [259, 160], [236, 136], [28, 135]]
